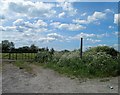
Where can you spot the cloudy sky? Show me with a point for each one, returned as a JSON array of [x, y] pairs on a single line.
[[59, 24]]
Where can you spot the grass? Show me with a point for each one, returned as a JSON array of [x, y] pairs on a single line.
[[67, 71], [82, 71], [94, 64], [24, 65]]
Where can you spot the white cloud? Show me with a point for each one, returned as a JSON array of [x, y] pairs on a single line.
[[102, 35], [19, 22], [18, 7], [55, 35], [84, 14], [29, 25], [35, 25], [110, 27], [61, 14], [93, 40], [96, 16], [80, 21], [2, 17], [52, 37], [97, 23], [108, 11], [46, 39], [55, 24], [90, 19], [70, 27], [28, 8], [41, 30], [117, 18], [30, 36], [2, 28], [117, 34], [68, 7], [10, 28], [41, 23], [83, 35], [89, 38]]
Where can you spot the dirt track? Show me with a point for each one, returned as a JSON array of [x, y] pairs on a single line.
[[48, 81]]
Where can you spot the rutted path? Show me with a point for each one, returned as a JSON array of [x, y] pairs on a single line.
[[48, 81]]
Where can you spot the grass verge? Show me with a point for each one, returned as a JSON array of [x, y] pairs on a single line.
[[24, 65]]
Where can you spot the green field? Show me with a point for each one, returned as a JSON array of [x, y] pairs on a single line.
[[18, 55]]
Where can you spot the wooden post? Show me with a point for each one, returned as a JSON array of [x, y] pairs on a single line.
[[81, 48], [16, 55], [25, 55], [22, 55], [28, 55], [12, 55], [9, 55]]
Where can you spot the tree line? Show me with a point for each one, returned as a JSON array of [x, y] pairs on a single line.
[[7, 46]]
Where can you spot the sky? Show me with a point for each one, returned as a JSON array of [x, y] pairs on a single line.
[[59, 25]]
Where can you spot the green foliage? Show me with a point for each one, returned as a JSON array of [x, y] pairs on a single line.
[[108, 50], [102, 64], [96, 62], [52, 51], [7, 46], [43, 57], [33, 48]]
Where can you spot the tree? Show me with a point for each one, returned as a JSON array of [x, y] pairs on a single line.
[[46, 49], [33, 48], [108, 50], [25, 49], [7, 46], [52, 51]]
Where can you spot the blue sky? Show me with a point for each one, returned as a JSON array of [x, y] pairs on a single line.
[[59, 24]]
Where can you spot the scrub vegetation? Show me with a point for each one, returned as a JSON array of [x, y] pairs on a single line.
[[101, 61]]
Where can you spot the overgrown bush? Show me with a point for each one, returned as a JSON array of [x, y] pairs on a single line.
[[43, 57], [102, 64], [69, 59], [98, 61], [108, 50]]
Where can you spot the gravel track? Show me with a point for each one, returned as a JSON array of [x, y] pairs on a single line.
[[15, 80]]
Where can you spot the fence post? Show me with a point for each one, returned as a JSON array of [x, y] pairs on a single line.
[[16, 55], [28, 55], [9, 55], [25, 55], [22, 55], [12, 55], [81, 47]]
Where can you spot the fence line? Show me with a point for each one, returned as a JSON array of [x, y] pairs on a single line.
[[17, 56]]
